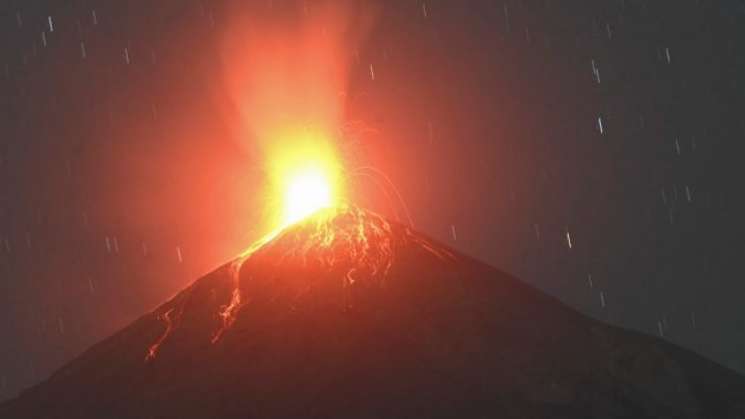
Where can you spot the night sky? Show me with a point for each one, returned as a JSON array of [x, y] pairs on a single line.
[[588, 147]]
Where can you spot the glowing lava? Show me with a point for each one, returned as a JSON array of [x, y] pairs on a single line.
[[354, 247], [153, 349]]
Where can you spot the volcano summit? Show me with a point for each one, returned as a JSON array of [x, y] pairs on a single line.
[[348, 315]]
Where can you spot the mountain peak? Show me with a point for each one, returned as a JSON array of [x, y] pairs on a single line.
[[349, 315], [337, 252], [343, 236]]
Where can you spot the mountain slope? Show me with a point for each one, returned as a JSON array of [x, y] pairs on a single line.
[[348, 315]]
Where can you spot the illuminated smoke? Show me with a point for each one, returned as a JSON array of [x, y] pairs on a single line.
[[286, 67]]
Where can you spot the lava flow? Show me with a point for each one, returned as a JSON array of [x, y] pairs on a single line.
[[344, 242], [153, 350]]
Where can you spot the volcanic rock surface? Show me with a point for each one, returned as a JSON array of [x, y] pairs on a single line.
[[347, 315]]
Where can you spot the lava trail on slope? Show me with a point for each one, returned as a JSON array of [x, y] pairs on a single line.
[[349, 315]]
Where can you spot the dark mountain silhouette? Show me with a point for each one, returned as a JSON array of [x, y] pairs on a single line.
[[347, 315]]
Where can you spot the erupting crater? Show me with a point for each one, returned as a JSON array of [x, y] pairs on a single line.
[[332, 252], [345, 314]]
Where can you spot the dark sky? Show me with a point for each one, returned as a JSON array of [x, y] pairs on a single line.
[[511, 128]]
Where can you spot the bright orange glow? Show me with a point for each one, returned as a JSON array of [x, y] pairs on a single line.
[[305, 176], [308, 192], [286, 73]]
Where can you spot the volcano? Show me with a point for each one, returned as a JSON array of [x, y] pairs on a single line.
[[349, 315]]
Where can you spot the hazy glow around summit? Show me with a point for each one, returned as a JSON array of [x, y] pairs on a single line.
[[307, 191], [305, 176]]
